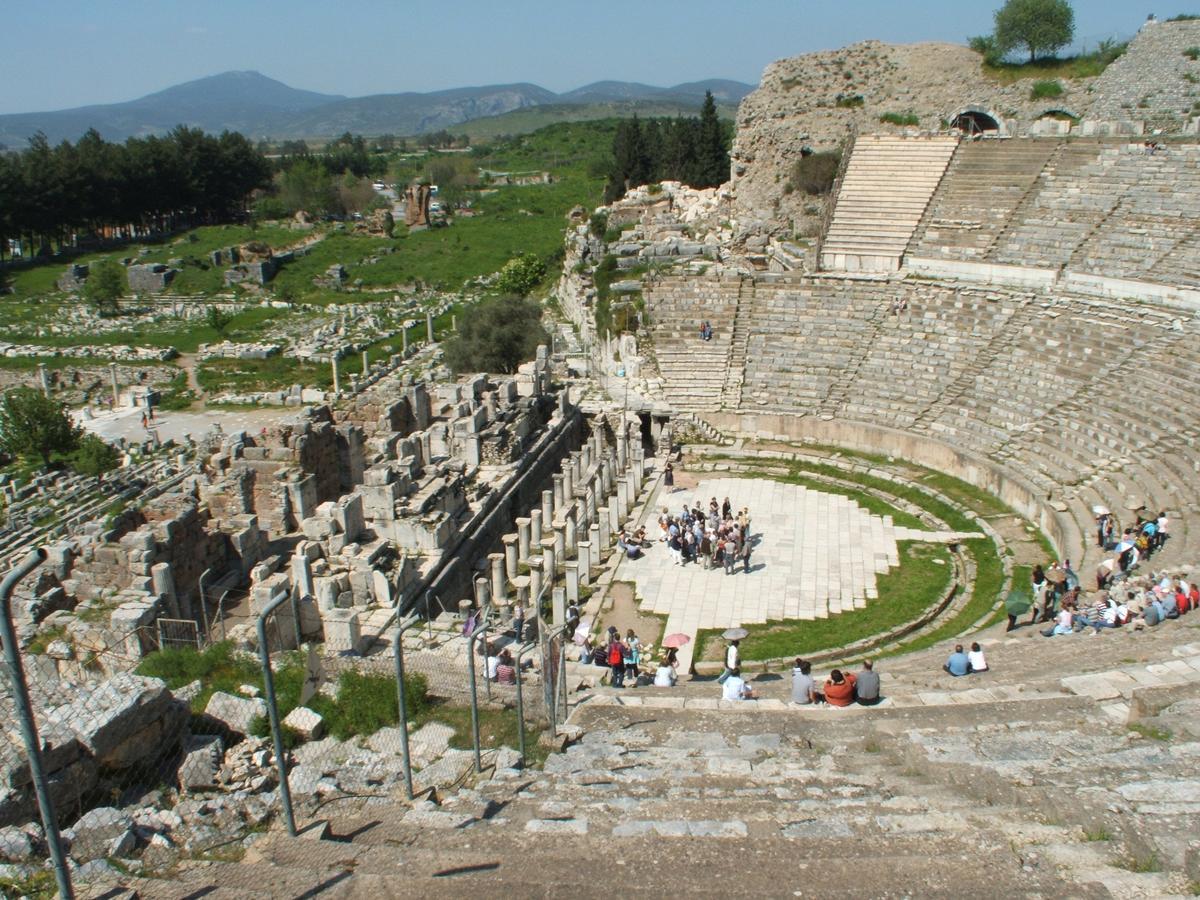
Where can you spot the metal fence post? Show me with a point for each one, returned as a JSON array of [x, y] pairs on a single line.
[[204, 576], [264, 652], [398, 654], [482, 629], [28, 725], [521, 651], [562, 672]]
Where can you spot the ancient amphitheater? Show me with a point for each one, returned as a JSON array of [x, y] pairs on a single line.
[[1010, 300]]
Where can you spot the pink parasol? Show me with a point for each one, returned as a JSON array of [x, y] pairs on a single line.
[[676, 640]]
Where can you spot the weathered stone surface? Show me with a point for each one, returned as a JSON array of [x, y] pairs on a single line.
[[103, 831], [16, 845], [127, 719], [202, 756], [235, 713], [306, 723]]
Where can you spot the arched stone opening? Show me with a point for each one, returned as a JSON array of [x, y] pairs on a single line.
[[974, 120]]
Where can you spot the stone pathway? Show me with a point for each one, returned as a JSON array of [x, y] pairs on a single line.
[[127, 422], [815, 555]]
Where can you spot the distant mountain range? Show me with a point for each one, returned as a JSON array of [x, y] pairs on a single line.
[[261, 107]]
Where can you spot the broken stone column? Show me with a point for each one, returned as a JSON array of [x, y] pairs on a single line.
[[535, 529], [404, 342], [569, 533], [482, 592], [558, 606], [112, 371], [571, 568], [549, 560], [429, 325], [510, 555], [604, 528], [634, 487], [342, 631], [44, 378], [586, 458], [337, 384], [622, 448], [589, 508], [585, 562], [547, 509], [558, 496], [523, 537], [594, 541], [163, 583], [614, 519], [366, 363], [598, 435], [535, 578], [499, 584], [568, 483], [621, 501], [302, 577], [560, 541]]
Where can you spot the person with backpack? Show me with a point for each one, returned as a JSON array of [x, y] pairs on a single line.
[[745, 555], [616, 660]]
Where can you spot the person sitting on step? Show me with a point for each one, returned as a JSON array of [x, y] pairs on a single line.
[[839, 689], [735, 688], [958, 664]]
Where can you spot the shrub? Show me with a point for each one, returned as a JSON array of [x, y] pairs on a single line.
[[1192, 53], [520, 275], [814, 174], [598, 224], [849, 101], [901, 119], [1043, 90], [94, 456]]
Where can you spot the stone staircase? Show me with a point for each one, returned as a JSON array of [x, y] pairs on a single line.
[[735, 366], [984, 184], [693, 371], [1007, 780], [887, 186]]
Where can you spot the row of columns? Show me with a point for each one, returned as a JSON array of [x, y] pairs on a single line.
[[572, 526]]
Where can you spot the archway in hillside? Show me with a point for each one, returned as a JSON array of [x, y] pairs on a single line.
[[975, 120]]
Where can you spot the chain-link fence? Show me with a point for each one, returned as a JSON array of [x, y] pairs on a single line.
[[164, 745]]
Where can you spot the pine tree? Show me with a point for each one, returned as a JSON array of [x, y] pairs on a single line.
[[712, 153]]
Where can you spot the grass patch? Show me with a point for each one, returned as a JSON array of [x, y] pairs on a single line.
[[1087, 65], [902, 119], [218, 668], [1046, 89], [1152, 732], [43, 639], [904, 593], [1093, 835], [497, 728], [272, 374], [1142, 864], [35, 886], [1192, 53]]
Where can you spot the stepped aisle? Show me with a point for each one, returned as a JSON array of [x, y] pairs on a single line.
[[887, 186]]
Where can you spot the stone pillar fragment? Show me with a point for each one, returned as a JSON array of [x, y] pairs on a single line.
[[523, 538]]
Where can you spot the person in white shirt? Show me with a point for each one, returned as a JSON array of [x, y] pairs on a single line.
[[733, 661], [975, 659], [735, 688]]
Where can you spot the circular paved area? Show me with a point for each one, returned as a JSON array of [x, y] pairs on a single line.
[[815, 554]]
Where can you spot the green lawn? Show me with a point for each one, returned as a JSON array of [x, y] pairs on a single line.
[[989, 576], [250, 375], [904, 593]]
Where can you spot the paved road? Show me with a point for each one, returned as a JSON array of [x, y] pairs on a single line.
[[127, 422]]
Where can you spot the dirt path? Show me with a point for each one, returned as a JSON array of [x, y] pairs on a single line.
[[625, 615], [187, 362]]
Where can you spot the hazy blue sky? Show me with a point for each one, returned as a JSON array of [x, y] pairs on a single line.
[[75, 52]]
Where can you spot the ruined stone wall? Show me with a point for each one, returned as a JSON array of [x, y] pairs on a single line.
[[451, 580], [796, 108]]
